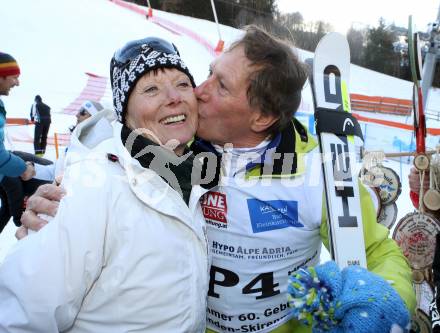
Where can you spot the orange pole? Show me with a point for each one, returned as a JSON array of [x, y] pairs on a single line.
[[55, 136]]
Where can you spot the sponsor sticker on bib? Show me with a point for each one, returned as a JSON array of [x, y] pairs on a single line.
[[273, 214], [215, 209]]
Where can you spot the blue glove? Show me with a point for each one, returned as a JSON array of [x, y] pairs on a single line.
[[354, 300]]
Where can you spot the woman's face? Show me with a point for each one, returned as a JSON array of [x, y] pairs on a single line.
[[163, 104]]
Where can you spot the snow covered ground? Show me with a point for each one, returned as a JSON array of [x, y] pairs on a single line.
[[57, 41]]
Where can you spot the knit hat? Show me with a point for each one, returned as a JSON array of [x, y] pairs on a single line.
[[352, 300], [8, 65], [134, 60], [91, 107]]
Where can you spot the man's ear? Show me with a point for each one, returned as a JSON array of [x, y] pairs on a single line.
[[260, 122]]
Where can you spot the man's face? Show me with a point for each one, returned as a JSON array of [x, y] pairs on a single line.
[[224, 111], [82, 115], [7, 83]]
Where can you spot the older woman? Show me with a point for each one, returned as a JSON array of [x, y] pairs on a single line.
[[126, 251]]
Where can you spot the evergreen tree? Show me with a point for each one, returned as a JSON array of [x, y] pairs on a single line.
[[379, 52]]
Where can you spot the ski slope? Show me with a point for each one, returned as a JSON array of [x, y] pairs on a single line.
[[57, 41]]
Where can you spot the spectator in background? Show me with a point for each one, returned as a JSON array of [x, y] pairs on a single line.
[[13, 201], [87, 110], [40, 113], [10, 164]]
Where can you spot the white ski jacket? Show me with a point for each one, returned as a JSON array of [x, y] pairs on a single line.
[[123, 254]]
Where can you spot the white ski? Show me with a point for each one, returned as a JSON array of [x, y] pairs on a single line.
[[336, 128]]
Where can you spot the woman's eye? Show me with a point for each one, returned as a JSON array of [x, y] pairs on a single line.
[[150, 90], [184, 84], [209, 72]]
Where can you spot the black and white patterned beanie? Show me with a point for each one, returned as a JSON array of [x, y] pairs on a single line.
[[145, 57]]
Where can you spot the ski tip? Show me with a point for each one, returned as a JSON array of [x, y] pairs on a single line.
[[334, 45]]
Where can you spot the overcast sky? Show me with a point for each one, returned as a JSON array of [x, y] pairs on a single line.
[[341, 13]]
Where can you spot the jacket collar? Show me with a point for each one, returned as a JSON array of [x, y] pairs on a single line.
[[151, 189], [284, 153], [179, 172]]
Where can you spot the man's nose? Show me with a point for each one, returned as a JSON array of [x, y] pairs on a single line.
[[17, 82], [201, 91]]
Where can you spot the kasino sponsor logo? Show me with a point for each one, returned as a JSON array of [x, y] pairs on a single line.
[[269, 209], [215, 209]]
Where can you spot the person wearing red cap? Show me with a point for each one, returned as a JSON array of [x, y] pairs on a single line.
[[10, 165], [9, 73]]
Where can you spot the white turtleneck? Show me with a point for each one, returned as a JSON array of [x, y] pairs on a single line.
[[234, 160]]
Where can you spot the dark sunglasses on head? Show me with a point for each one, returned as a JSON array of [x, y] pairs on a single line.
[[132, 49], [83, 112]]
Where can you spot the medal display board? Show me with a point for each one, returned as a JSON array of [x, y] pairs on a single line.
[[416, 235], [420, 322], [390, 186], [388, 215]]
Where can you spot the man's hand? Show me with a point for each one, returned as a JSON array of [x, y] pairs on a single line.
[[44, 201], [29, 173], [414, 180]]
